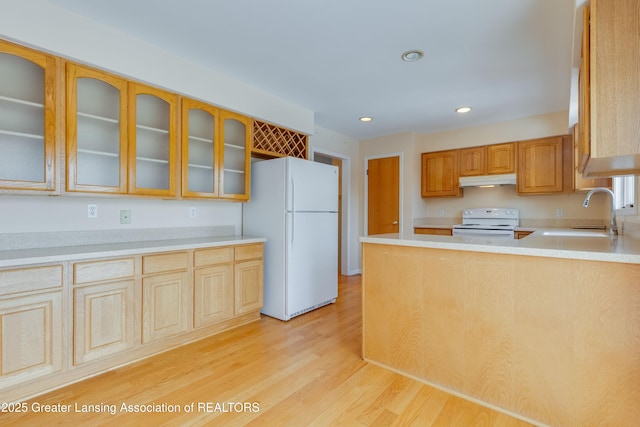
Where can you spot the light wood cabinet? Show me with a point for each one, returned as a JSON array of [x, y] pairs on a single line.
[[521, 234], [583, 143], [152, 141], [216, 152], [488, 160], [473, 161], [248, 278], [540, 166], [28, 118], [104, 314], [433, 231], [613, 90], [96, 131], [579, 182], [166, 296], [440, 177], [501, 158], [213, 296], [234, 175], [31, 326]]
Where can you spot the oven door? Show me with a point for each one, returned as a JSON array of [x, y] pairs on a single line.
[[483, 233]]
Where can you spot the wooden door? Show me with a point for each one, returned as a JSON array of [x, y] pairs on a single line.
[[383, 195]]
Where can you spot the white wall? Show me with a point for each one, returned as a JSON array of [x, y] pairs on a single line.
[[329, 143], [50, 28], [23, 214]]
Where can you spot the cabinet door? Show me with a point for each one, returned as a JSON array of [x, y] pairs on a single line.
[[213, 295], [96, 131], [584, 97], [199, 149], [235, 156], [248, 279], [103, 322], [165, 306], [540, 166], [473, 161], [152, 141], [28, 119], [440, 174], [501, 158], [30, 337]]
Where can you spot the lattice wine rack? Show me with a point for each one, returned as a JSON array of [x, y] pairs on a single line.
[[274, 141]]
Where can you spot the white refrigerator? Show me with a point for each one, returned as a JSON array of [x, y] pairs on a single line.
[[294, 204]]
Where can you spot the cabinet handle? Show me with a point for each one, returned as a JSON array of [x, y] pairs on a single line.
[[394, 223]]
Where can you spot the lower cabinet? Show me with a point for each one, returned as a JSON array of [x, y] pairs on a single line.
[[31, 326], [103, 320], [108, 312], [31, 336], [165, 306]]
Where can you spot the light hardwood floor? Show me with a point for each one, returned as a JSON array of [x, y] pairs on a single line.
[[305, 372]]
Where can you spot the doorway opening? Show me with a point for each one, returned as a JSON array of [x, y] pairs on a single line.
[[344, 166]]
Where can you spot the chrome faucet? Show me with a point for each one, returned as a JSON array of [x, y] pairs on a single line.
[[613, 228]]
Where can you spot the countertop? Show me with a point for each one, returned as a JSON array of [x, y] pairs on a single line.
[[617, 249], [20, 257]]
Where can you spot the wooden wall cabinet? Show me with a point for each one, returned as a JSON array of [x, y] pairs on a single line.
[[611, 87], [501, 158], [31, 325], [96, 131], [152, 139], [440, 177], [579, 182], [216, 152], [473, 161], [540, 166], [28, 119], [488, 160]]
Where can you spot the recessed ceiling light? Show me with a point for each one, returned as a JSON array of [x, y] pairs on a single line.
[[365, 119], [463, 109], [412, 55]]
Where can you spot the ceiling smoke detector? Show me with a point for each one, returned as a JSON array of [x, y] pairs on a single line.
[[412, 55]]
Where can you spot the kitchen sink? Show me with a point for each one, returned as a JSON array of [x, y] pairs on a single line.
[[575, 233]]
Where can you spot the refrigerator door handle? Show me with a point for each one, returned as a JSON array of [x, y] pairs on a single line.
[[293, 228]]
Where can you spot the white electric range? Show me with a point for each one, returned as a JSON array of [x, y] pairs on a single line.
[[494, 223]]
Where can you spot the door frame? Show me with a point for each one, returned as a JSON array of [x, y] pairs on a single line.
[[345, 243], [366, 189]]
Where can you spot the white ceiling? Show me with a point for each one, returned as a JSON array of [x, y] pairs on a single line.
[[341, 58]]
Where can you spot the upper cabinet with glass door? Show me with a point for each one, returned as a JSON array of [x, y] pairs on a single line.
[[96, 131], [152, 141], [234, 174], [28, 122], [199, 149]]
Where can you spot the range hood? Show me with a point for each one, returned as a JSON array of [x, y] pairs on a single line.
[[488, 180]]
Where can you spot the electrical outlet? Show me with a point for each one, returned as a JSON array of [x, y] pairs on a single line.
[[441, 212], [92, 211], [125, 217], [192, 212], [559, 213]]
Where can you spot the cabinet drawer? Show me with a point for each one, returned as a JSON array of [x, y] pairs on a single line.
[[248, 252], [95, 271], [213, 256], [165, 262], [30, 279]]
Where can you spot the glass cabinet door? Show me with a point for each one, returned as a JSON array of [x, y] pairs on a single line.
[[152, 141], [199, 147], [28, 121], [96, 131], [235, 152]]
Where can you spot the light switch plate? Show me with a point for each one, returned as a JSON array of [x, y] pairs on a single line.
[[125, 217]]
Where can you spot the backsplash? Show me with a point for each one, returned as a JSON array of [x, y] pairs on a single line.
[[13, 241]]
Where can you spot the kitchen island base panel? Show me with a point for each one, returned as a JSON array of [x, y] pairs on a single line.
[[546, 339]]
